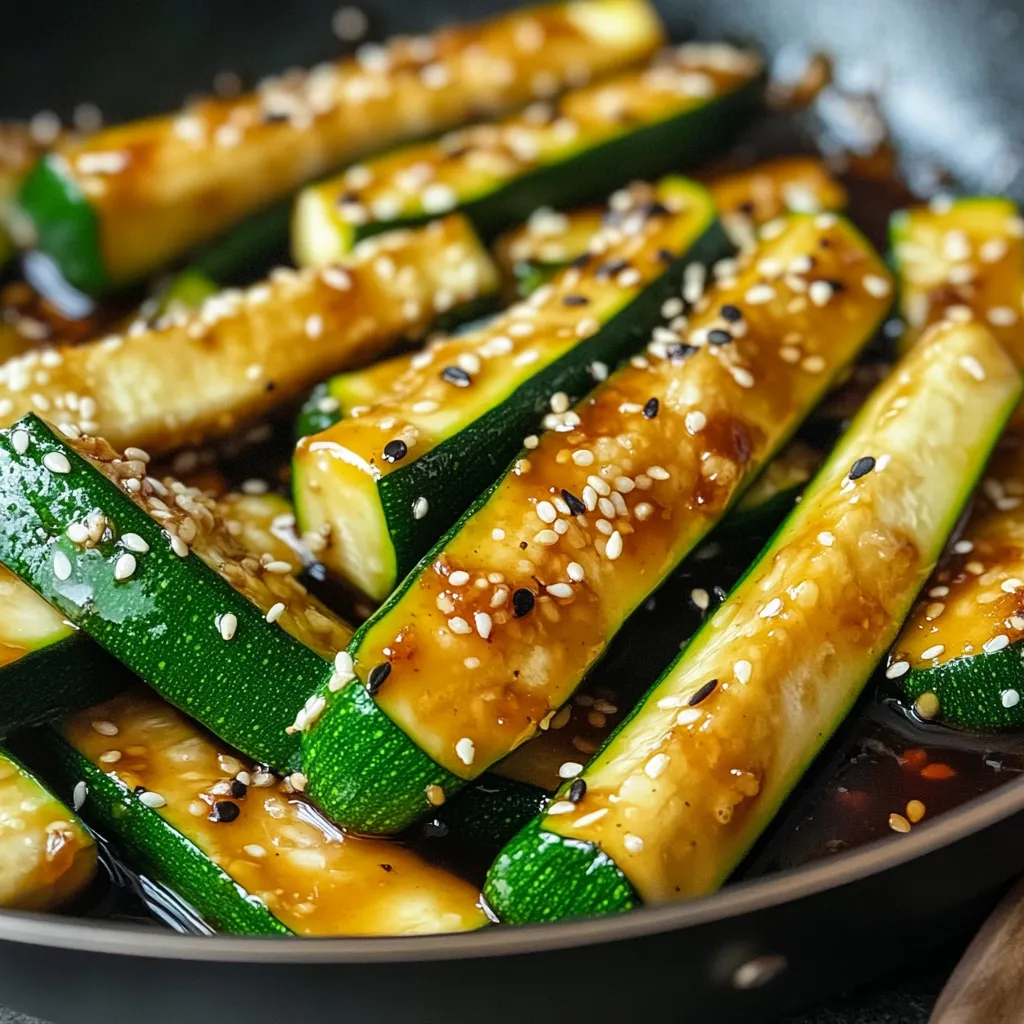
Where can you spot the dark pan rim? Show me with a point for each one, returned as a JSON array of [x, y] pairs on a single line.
[[734, 901]]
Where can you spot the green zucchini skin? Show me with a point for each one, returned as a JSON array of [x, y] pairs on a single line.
[[676, 144], [368, 735], [538, 868], [69, 675], [492, 809], [484, 450], [162, 622], [971, 689], [160, 850], [66, 225]]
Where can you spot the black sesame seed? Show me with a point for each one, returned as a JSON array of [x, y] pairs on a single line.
[[347, 198], [577, 791], [139, 790], [456, 375], [375, 680], [703, 693], [747, 207], [581, 261], [837, 286], [717, 336], [678, 352], [612, 267], [238, 789], [273, 116], [225, 811], [576, 507], [387, 867], [719, 593], [270, 386], [732, 314], [575, 300], [666, 256], [862, 467], [651, 408], [522, 602], [523, 545], [395, 451]]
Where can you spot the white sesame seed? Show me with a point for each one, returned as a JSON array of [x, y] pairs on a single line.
[[591, 818], [77, 533], [992, 250], [742, 670], [465, 749], [228, 625], [1010, 698], [582, 457], [279, 568], [1011, 585], [79, 795], [771, 609], [743, 377], [688, 716], [897, 669], [933, 652], [826, 538], [459, 578], [569, 770], [439, 198], [562, 807], [695, 421], [546, 512], [105, 728], [759, 294], [657, 473], [497, 533], [559, 590], [613, 548], [973, 367], [997, 643], [546, 538], [124, 567], [656, 765], [575, 572], [1002, 316], [298, 781], [483, 624], [275, 612], [61, 565], [457, 624], [699, 596], [963, 547], [133, 542], [178, 546], [419, 508], [820, 292], [632, 843], [19, 441], [56, 462], [151, 799]]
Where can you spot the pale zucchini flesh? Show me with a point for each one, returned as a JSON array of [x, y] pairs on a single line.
[[461, 408], [639, 124], [128, 200], [201, 375], [46, 854], [685, 785]]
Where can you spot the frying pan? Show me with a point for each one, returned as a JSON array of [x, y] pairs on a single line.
[[952, 78]]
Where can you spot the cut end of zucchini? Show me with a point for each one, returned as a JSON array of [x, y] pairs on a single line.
[[526, 884], [64, 224], [624, 24], [320, 236], [46, 853]]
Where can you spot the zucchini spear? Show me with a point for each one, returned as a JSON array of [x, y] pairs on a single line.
[[240, 845], [384, 485], [129, 200], [666, 117], [687, 783], [527, 590], [198, 376]]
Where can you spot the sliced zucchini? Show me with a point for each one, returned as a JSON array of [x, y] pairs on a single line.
[[153, 575], [46, 854], [129, 200], [688, 103], [242, 353], [962, 259], [530, 586], [240, 845], [959, 655], [529, 254], [691, 778], [37, 644], [386, 484]]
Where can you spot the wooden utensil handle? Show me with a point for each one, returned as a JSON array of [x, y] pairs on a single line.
[[987, 986]]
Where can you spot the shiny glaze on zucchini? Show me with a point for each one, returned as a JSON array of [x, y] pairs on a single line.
[[465, 167], [597, 513], [154, 189], [201, 375], [313, 878]]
